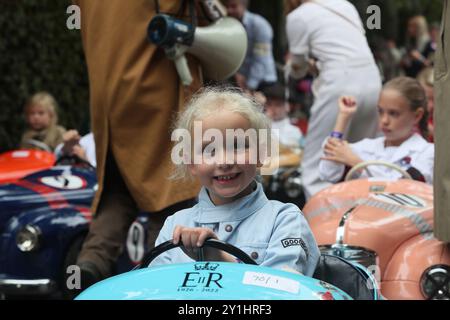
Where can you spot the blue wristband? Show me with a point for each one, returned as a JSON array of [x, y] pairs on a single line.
[[335, 134]]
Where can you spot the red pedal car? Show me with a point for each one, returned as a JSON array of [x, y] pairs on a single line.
[[387, 226], [17, 164]]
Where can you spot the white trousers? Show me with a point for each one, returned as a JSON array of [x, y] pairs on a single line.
[[361, 80]]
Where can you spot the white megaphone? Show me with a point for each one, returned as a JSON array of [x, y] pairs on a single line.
[[220, 47]]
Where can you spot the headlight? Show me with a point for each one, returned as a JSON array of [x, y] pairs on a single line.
[[435, 283], [28, 239]]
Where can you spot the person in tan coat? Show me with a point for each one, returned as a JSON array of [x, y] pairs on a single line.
[[442, 131], [135, 92]]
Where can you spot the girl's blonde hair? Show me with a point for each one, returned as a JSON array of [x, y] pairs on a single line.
[[414, 93], [210, 100], [47, 101]]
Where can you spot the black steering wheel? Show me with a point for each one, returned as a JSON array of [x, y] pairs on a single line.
[[213, 243], [73, 160]]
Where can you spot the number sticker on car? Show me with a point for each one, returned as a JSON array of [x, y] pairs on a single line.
[[271, 281], [68, 182]]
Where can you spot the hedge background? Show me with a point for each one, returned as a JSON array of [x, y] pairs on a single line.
[[38, 52]]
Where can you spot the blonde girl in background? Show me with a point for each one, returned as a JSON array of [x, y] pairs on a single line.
[[43, 131]]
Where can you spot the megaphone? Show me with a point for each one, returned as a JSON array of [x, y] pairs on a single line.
[[220, 47]]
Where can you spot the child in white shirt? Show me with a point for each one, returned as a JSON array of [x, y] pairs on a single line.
[[402, 109]]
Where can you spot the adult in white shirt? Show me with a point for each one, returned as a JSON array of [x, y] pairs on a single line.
[[328, 35], [276, 109]]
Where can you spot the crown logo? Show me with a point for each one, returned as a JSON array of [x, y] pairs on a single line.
[[206, 266]]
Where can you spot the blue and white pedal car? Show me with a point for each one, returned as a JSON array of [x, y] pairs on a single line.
[[334, 279]]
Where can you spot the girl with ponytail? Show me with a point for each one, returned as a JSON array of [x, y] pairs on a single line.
[[402, 111]]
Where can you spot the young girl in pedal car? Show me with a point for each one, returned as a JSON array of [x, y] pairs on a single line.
[[232, 205], [43, 131], [402, 110]]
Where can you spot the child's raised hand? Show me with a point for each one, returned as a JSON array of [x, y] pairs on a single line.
[[347, 105]]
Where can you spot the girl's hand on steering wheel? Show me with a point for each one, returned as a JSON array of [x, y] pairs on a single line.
[[339, 151], [193, 239]]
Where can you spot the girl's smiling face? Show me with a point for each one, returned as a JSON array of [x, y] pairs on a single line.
[[225, 182], [396, 119]]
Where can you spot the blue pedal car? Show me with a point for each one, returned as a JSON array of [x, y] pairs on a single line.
[[233, 281], [44, 218]]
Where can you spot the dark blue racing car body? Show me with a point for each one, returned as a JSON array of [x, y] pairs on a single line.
[[44, 218]]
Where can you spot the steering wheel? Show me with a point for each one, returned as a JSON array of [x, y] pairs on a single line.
[[73, 160], [39, 144], [365, 164], [213, 243]]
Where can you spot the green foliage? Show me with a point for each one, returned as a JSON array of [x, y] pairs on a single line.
[[432, 9], [38, 52]]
